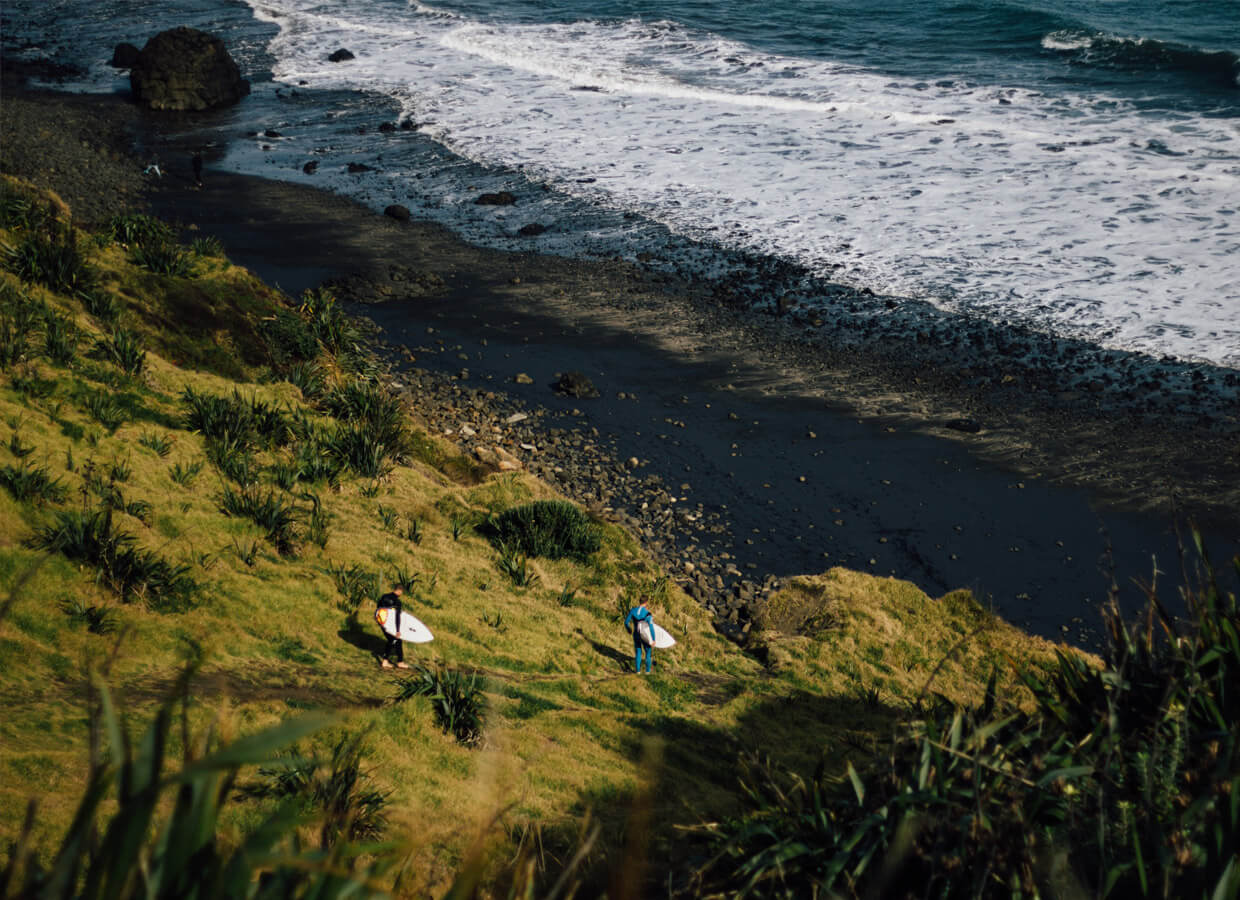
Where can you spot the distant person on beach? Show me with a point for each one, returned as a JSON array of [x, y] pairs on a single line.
[[196, 162], [642, 628], [391, 600]]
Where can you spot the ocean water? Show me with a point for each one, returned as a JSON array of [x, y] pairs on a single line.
[[1069, 167]]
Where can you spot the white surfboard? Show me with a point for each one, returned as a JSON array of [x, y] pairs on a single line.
[[411, 628], [662, 640]]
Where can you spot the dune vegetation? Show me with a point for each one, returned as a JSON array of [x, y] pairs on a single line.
[[204, 487]]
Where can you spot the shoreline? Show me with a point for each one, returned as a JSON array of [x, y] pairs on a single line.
[[701, 374]]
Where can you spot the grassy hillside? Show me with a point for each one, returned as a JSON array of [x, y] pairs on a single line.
[[194, 467]]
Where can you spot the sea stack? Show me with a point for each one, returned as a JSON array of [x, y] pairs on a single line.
[[186, 69]]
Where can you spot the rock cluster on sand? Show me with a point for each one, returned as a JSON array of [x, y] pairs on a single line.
[[186, 69]]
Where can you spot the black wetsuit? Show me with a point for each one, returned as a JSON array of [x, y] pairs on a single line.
[[391, 601]]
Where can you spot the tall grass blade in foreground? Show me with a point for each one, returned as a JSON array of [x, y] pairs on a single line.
[[144, 829]]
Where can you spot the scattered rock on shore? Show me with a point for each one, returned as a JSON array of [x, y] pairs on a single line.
[[575, 384], [531, 230], [398, 212], [340, 56], [311, 167], [503, 198], [186, 69]]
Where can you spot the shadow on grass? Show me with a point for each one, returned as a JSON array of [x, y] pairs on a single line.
[[624, 661], [363, 640], [693, 777]]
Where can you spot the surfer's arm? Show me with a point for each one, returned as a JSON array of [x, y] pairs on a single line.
[[628, 619]]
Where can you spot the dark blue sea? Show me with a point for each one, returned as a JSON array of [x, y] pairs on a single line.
[[1071, 167]]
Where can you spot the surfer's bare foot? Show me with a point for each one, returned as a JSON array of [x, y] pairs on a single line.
[[402, 665], [385, 664]]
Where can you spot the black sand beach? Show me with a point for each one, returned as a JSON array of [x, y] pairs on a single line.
[[774, 456]]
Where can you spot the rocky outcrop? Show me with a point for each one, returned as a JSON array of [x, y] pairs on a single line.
[[186, 69], [124, 56], [398, 212], [340, 55], [531, 230]]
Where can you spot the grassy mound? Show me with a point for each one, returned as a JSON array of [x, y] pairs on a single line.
[[204, 488]]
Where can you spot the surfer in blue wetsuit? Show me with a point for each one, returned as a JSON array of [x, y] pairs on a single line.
[[642, 628], [391, 600]]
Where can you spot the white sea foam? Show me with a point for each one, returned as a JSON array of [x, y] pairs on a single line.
[[1077, 214]]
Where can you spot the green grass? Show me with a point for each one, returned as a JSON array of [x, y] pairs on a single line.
[[552, 725]]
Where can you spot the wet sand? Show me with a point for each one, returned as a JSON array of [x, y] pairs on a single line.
[[775, 456]]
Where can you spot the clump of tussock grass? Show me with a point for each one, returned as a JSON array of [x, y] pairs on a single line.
[[360, 450], [307, 378], [124, 349], [356, 585], [184, 475], [104, 409], [95, 618], [159, 444], [50, 256], [209, 246], [514, 564], [271, 512], [291, 347], [132, 229], [101, 304], [60, 339], [235, 461], [334, 330], [163, 256], [315, 462], [318, 522], [458, 700], [23, 209], [32, 484], [91, 537], [19, 321], [16, 446], [554, 529], [242, 421], [373, 436]]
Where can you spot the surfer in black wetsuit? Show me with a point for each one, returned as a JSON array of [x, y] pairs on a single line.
[[391, 600]]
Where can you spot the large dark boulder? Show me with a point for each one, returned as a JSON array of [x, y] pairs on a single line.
[[186, 69], [398, 212], [124, 56], [340, 55]]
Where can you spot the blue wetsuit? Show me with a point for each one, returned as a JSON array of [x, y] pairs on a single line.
[[636, 615]]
